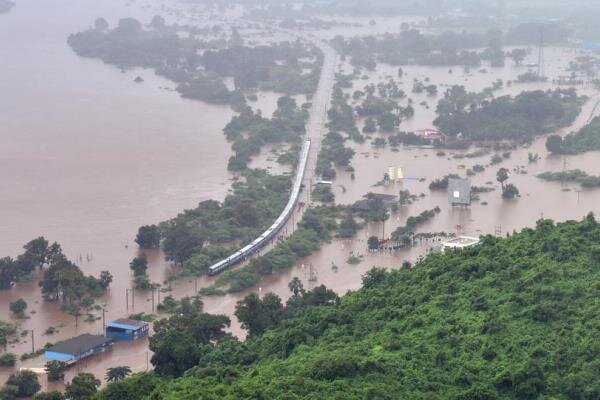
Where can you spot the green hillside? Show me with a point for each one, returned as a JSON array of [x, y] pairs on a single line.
[[515, 318]]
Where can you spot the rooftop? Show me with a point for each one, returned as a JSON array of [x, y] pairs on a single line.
[[133, 323], [461, 241], [79, 344]]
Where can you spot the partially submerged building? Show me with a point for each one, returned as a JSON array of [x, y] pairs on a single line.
[[459, 192], [78, 348], [127, 329], [460, 242]]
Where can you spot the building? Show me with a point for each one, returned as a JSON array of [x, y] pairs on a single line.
[[127, 329], [433, 135], [395, 173], [459, 192], [460, 242], [78, 348]]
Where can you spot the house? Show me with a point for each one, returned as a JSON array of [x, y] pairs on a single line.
[[127, 329], [433, 135], [78, 348], [459, 192]]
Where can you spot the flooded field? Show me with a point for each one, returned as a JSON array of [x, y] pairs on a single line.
[[87, 156]]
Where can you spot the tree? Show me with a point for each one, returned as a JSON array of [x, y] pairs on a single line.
[[115, 374], [502, 176], [18, 307], [7, 272], [101, 24], [370, 125], [257, 315], [404, 197], [83, 386], [8, 392], [105, 279], [518, 56], [8, 360], [182, 241], [554, 144], [296, 286], [56, 370], [510, 191], [26, 382], [139, 265], [39, 250], [348, 227], [157, 22], [373, 243], [148, 237]]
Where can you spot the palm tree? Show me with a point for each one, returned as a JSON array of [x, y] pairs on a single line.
[[296, 286], [115, 374]]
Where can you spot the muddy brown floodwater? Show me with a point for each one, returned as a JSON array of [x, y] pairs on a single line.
[[87, 156]]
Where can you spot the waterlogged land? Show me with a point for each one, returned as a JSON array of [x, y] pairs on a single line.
[[127, 154]]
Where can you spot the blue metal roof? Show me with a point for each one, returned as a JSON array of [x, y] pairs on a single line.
[[123, 326]]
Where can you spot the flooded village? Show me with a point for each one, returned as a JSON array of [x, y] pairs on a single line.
[[89, 153]]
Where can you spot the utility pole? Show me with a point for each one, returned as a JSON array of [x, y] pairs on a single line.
[[127, 299], [195, 285], [132, 299], [103, 319], [153, 289], [32, 342]]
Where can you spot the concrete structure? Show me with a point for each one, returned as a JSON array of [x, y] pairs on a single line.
[[127, 329], [395, 173], [459, 192], [433, 135], [78, 348], [460, 242]]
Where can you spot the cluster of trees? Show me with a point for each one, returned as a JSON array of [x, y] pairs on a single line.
[[575, 175], [317, 226], [442, 183], [411, 46], [381, 108], [506, 319], [196, 66], [333, 154], [404, 234], [586, 139], [466, 116], [249, 131], [197, 238], [62, 279], [509, 190]]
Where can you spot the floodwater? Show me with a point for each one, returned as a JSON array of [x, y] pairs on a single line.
[[87, 156]]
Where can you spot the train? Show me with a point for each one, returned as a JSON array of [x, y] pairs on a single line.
[[269, 234]]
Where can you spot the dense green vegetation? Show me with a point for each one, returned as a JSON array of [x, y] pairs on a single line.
[[574, 175], [448, 48], [317, 226], [197, 238], [62, 279], [197, 66], [586, 139], [464, 116], [513, 318], [404, 234], [249, 131]]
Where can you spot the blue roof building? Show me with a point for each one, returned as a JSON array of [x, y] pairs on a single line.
[[127, 329], [77, 348]]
